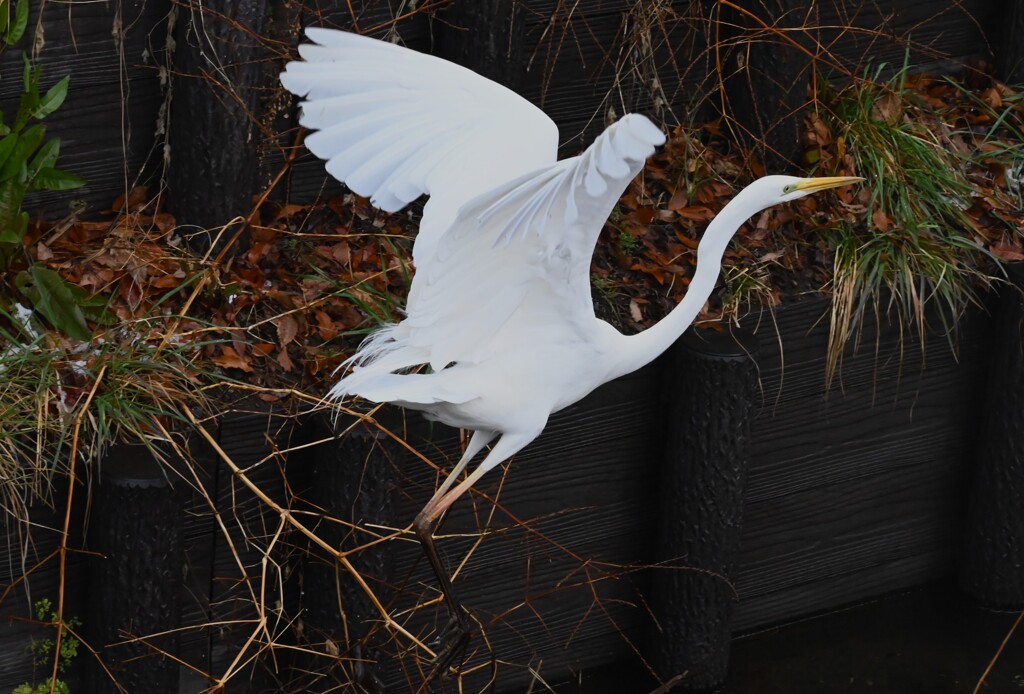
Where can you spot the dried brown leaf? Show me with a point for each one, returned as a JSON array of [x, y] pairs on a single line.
[[287, 329], [230, 359]]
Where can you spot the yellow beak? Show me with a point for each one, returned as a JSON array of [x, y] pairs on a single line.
[[825, 182]]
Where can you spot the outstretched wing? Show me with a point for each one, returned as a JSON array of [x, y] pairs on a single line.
[[522, 252], [394, 124]]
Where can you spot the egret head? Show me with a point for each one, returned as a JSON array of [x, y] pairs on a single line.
[[772, 190], [763, 193]]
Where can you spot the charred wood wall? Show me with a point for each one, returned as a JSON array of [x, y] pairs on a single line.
[[859, 490]]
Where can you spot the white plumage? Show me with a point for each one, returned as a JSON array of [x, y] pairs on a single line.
[[503, 253], [499, 317]]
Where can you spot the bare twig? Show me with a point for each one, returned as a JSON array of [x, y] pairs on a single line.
[[62, 549], [998, 653]]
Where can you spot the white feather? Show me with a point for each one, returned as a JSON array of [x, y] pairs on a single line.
[[443, 130]]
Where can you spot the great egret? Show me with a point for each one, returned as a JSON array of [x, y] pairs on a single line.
[[499, 323]]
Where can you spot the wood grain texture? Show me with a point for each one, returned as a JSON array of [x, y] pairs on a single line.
[[345, 489], [199, 532], [220, 70], [1010, 51], [249, 438], [767, 81], [860, 489]]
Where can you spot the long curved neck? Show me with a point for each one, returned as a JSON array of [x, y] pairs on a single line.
[[638, 350]]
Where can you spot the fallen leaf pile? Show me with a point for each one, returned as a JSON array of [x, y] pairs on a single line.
[[314, 279]]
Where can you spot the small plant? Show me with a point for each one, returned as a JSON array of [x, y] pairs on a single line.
[[605, 294], [28, 162], [379, 296], [27, 159], [42, 650], [628, 244], [916, 245], [745, 287]]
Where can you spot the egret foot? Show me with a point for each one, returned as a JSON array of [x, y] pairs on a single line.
[[451, 645]]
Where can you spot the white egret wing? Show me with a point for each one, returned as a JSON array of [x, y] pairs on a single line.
[[523, 250], [394, 124]]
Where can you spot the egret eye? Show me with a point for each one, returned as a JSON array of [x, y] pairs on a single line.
[[789, 188]]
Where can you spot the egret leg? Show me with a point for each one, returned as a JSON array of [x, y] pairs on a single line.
[[424, 523], [476, 444], [456, 636]]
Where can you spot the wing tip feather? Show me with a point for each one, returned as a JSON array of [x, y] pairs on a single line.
[[641, 127]]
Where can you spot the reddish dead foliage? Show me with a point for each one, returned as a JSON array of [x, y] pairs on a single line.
[[315, 278]]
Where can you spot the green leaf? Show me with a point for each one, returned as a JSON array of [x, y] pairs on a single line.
[[28, 142], [52, 296], [11, 215], [17, 29], [7, 147], [49, 178], [96, 308], [46, 157], [53, 98], [12, 234]]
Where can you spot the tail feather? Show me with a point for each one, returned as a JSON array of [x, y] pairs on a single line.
[[380, 342], [402, 389], [376, 371]]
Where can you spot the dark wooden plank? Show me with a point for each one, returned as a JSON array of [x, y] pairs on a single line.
[[700, 502], [867, 34], [220, 73], [1010, 49], [994, 535], [859, 490], [585, 67]]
